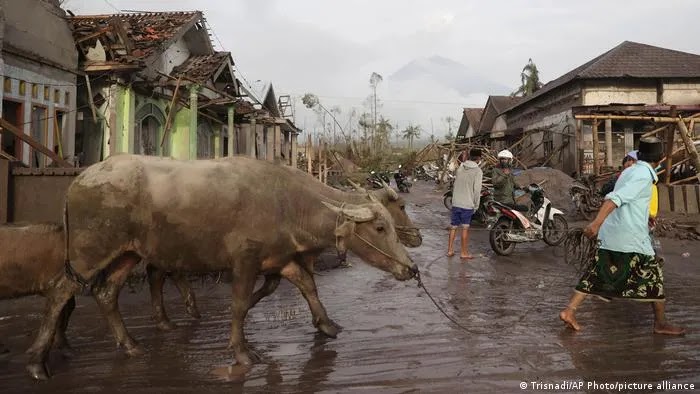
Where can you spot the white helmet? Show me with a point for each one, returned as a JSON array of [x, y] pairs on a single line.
[[505, 154]]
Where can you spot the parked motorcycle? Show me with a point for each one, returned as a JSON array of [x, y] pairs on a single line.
[[402, 182], [375, 181], [541, 222], [586, 198]]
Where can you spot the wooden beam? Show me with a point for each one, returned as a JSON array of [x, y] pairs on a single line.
[[655, 131], [110, 67], [690, 146], [33, 143], [596, 148], [4, 190], [171, 111], [91, 101], [670, 134], [58, 136]]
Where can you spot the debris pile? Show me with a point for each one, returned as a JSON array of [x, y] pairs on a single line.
[[669, 228], [556, 185]]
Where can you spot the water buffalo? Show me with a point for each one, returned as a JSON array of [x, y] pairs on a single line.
[[408, 234], [31, 260], [242, 214]]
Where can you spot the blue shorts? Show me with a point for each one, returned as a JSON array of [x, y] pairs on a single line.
[[461, 217]]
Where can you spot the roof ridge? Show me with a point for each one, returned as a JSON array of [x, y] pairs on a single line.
[[129, 14]]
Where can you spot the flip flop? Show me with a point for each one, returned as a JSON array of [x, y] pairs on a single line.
[[450, 254], [469, 257]]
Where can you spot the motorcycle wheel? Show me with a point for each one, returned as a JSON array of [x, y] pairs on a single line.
[[554, 232], [448, 202], [498, 231]]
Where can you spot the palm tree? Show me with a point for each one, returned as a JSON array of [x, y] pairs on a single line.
[[410, 133], [529, 80], [384, 128]]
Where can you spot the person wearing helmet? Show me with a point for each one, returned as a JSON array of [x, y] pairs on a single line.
[[503, 180], [625, 266]]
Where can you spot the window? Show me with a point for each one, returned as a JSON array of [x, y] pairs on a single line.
[[57, 96], [67, 99], [148, 133], [47, 93], [35, 91], [205, 141], [7, 85]]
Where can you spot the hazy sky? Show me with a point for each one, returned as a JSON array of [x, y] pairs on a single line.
[[331, 47]]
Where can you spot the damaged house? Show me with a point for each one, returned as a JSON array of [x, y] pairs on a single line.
[[155, 85], [630, 75], [39, 71]]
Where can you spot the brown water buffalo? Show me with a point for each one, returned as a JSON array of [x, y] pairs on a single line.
[[31, 260], [408, 233], [242, 214]]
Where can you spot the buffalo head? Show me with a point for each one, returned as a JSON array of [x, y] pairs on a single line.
[[368, 231], [409, 234]]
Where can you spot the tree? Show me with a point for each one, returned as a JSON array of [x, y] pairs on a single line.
[[529, 80], [410, 133], [384, 128], [374, 80]]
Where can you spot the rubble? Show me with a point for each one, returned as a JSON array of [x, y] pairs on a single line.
[[670, 228], [556, 185]]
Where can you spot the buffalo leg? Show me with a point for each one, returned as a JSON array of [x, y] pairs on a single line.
[[60, 341], [107, 294], [269, 287], [56, 300], [303, 280], [242, 285], [183, 286], [156, 279]]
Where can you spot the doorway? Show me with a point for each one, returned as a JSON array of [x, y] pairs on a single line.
[[12, 112]]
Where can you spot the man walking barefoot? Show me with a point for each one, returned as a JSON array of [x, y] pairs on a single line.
[[466, 195], [625, 266]]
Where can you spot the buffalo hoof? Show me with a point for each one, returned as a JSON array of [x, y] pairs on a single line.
[[166, 325], [135, 351], [194, 312], [328, 330], [38, 371]]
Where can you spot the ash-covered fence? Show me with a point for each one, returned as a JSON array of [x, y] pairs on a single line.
[[33, 195]]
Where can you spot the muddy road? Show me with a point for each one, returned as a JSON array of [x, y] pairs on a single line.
[[394, 339]]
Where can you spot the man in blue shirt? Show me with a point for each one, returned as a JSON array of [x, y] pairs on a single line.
[[625, 265]]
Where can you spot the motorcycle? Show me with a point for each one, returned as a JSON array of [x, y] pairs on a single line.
[[402, 182], [375, 181], [585, 198], [541, 222]]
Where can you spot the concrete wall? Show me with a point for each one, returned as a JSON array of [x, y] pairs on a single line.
[[174, 56], [38, 27], [38, 198], [681, 93], [605, 95]]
